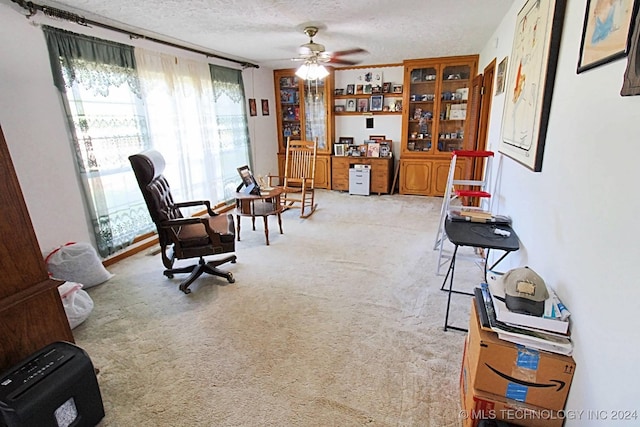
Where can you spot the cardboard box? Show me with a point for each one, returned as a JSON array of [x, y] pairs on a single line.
[[516, 372], [478, 405]]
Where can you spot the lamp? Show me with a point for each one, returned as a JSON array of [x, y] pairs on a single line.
[[311, 70]]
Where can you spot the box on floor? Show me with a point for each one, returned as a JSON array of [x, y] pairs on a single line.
[[479, 405], [515, 372]]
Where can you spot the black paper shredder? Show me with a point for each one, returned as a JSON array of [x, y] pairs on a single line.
[[56, 386]]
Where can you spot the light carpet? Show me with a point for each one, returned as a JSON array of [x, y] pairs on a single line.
[[339, 322]]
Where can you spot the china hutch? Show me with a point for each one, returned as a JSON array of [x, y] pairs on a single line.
[[304, 110], [434, 121]]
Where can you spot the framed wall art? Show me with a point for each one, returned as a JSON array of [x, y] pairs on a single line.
[[606, 32], [265, 107], [253, 110], [631, 81], [529, 87], [501, 75]]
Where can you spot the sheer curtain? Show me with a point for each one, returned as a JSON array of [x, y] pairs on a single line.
[[107, 122], [315, 115], [182, 122], [231, 118]]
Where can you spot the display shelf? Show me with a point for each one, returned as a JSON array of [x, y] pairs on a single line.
[[303, 112], [435, 121]]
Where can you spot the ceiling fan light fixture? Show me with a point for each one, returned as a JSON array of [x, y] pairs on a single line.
[[312, 71]]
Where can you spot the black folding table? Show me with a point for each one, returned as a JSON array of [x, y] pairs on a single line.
[[477, 235]]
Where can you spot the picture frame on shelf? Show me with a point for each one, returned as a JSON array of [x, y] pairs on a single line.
[[339, 108], [339, 150], [376, 82], [288, 81], [367, 89], [373, 149], [377, 137], [338, 92], [377, 101], [535, 55], [351, 89], [385, 148], [351, 105], [386, 87], [606, 32], [397, 88], [348, 140], [359, 89], [363, 105]]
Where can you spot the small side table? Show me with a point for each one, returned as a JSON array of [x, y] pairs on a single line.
[[265, 204], [477, 235]]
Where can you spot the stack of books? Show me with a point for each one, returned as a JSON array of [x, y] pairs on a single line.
[[550, 332], [473, 214]]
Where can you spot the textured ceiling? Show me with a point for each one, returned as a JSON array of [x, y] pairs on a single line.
[[269, 32]]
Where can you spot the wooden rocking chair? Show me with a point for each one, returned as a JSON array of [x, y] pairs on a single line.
[[298, 182]]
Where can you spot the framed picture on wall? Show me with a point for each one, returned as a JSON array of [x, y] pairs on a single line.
[[631, 80], [253, 110], [534, 58], [606, 33], [501, 75]]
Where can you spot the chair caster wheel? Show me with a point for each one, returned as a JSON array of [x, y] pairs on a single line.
[[230, 278], [169, 275]]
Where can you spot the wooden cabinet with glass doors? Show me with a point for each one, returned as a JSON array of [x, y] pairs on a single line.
[[304, 111], [434, 121]]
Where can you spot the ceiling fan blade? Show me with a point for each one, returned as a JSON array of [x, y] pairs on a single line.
[[348, 52], [341, 61]]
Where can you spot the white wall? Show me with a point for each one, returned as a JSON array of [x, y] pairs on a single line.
[[575, 219], [34, 126]]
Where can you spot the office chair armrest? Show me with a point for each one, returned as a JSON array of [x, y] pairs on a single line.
[[178, 222], [192, 203]]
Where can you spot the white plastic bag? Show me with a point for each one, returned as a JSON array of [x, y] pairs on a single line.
[[77, 262], [77, 303]]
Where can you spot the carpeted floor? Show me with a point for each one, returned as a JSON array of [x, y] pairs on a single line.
[[337, 323]]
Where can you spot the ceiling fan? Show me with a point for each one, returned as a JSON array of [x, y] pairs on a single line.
[[313, 52]]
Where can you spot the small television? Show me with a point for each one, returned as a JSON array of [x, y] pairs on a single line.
[[248, 181]]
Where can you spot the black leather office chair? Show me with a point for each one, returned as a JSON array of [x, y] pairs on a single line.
[[180, 237]]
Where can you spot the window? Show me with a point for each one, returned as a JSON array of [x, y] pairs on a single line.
[[121, 101]]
